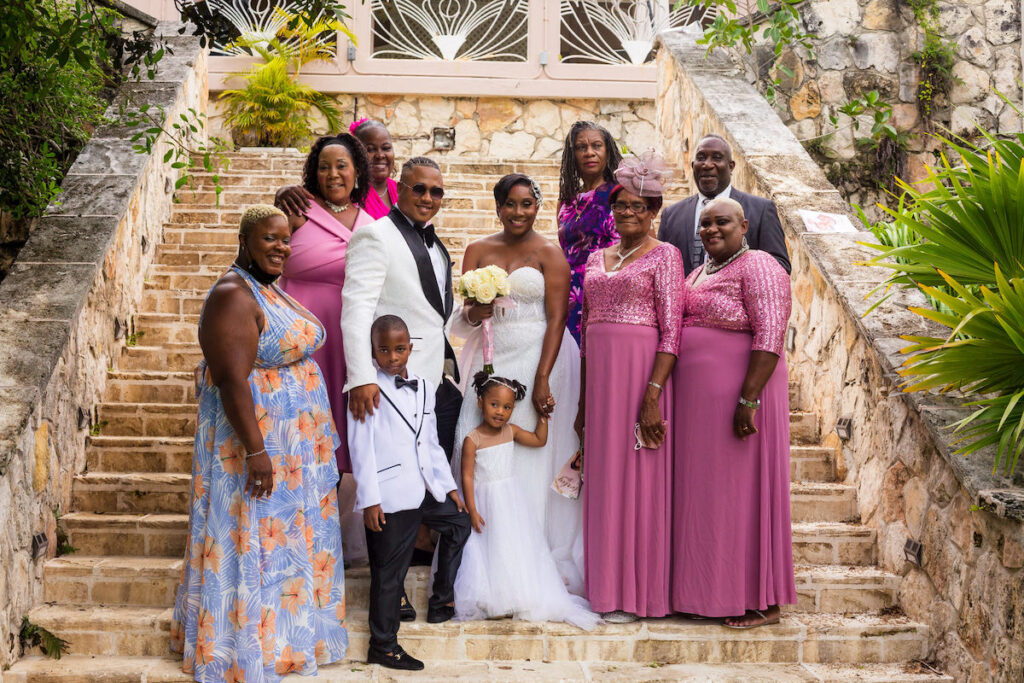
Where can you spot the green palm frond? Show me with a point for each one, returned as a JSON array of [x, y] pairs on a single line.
[[984, 355]]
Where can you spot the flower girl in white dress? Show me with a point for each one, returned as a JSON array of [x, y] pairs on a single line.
[[507, 568]]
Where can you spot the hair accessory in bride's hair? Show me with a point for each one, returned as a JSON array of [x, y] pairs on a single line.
[[535, 191], [355, 124], [643, 175], [482, 380]]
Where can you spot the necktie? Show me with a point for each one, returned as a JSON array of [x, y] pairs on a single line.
[[427, 233], [403, 382], [697, 251]]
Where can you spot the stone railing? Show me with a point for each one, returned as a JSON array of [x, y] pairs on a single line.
[[969, 586], [66, 308]]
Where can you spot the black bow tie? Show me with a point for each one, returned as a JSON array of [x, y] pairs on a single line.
[[427, 233], [403, 382]]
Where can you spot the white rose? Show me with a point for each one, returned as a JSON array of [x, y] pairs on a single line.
[[486, 293], [468, 284]]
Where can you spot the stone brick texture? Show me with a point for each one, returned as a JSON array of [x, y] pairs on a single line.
[[864, 45], [496, 128], [969, 587]]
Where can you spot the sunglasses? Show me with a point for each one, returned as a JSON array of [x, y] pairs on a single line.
[[419, 189]]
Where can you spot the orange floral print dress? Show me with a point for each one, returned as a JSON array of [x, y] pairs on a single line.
[[262, 591]]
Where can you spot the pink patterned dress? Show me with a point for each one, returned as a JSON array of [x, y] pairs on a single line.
[[313, 276], [628, 317], [732, 540]]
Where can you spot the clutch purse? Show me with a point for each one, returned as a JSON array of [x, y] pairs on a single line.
[[569, 481], [641, 442]]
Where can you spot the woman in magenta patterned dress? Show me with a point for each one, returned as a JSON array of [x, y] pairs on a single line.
[[585, 222], [632, 305], [732, 552], [336, 176]]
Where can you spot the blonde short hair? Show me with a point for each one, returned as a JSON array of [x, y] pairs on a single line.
[[727, 201], [254, 214]]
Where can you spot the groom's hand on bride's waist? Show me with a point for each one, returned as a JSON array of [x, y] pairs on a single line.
[[363, 400]]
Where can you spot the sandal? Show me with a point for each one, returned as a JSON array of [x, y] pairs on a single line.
[[766, 621]]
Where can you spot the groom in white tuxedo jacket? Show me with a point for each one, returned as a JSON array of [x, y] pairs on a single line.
[[396, 265]]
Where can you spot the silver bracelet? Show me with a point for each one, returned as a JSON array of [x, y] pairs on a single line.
[[259, 452], [656, 385]]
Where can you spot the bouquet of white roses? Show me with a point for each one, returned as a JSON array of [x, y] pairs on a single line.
[[484, 286]]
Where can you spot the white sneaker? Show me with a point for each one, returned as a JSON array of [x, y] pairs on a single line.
[[619, 617]]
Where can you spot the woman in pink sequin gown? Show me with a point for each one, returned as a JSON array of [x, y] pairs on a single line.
[[632, 305], [336, 173], [732, 552]]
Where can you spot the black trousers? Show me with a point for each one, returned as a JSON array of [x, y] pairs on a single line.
[[390, 552], [447, 405]]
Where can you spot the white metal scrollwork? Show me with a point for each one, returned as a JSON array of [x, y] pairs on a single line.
[[450, 29], [620, 32], [257, 21]]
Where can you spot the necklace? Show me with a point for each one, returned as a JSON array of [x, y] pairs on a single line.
[[714, 266], [622, 257], [336, 208]]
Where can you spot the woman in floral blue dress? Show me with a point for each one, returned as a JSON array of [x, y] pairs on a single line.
[[585, 221], [262, 592]]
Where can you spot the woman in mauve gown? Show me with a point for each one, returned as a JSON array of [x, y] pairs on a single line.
[[732, 553], [632, 305]]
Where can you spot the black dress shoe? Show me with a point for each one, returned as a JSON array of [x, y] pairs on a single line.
[[396, 659], [406, 612], [437, 615]]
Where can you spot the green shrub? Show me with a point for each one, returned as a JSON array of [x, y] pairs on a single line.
[[52, 98], [961, 243]]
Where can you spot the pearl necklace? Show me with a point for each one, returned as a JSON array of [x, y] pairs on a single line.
[[336, 208], [622, 257]]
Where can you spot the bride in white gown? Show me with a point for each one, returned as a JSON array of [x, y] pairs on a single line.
[[531, 345]]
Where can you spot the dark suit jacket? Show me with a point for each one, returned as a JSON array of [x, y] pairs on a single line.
[[764, 230]]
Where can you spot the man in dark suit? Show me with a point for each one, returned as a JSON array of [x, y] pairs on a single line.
[[712, 173]]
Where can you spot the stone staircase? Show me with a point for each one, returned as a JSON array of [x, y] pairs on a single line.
[[111, 599]]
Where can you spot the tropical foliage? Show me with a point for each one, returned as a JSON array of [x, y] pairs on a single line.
[[960, 239], [274, 108]]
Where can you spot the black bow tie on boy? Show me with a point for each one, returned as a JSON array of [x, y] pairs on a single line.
[[403, 382]]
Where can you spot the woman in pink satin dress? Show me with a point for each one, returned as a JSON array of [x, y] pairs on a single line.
[[337, 177]]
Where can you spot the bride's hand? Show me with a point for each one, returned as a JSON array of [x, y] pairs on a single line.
[[477, 313], [543, 401]]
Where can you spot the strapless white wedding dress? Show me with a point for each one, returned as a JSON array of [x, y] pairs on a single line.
[[518, 338]]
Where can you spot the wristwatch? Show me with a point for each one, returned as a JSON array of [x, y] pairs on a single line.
[[753, 405]]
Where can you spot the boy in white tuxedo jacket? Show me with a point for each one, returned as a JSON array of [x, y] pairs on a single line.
[[403, 479]]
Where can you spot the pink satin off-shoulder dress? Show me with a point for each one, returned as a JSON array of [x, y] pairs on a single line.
[[313, 276]]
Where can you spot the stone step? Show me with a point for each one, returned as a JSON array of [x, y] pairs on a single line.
[[168, 492], [84, 669], [160, 328], [153, 534], [152, 581], [150, 386], [812, 638], [139, 454], [124, 418], [803, 428], [170, 357]]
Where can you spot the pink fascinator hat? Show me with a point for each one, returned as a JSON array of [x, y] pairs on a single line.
[[356, 124], [644, 175]]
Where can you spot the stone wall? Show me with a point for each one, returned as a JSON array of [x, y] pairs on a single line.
[[66, 305], [865, 45], [496, 128], [970, 585]]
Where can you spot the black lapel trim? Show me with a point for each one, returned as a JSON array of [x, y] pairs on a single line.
[[423, 266], [423, 410], [408, 424]]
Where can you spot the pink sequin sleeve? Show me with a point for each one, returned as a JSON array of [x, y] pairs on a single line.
[[766, 298], [585, 314], [669, 300]]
